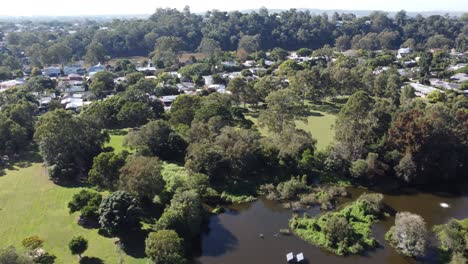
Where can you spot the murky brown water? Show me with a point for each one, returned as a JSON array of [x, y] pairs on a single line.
[[233, 237]]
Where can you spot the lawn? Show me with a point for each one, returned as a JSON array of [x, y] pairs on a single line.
[[117, 138], [30, 204], [320, 122]]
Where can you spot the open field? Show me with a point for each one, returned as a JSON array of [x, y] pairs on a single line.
[[30, 204], [117, 138], [320, 121]]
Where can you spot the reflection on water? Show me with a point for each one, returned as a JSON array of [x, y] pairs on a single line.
[[234, 237]]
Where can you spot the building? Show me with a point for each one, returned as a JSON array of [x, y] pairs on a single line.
[[95, 69], [74, 69], [459, 77], [422, 90], [52, 72], [10, 84], [444, 85], [149, 69]]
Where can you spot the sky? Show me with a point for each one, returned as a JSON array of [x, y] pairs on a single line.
[[123, 7]]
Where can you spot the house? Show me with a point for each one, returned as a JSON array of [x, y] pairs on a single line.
[[230, 64], [10, 84], [75, 77], [208, 80], [249, 63], [422, 90], [52, 72], [74, 69], [403, 52], [457, 67], [44, 103], [445, 85], [95, 69], [186, 86], [167, 101], [220, 88], [459, 77], [149, 69]]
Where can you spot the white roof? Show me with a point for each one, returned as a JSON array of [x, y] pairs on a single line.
[[289, 256], [300, 257]]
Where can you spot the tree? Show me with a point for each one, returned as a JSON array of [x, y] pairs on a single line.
[[13, 137], [159, 139], [58, 53], [10, 256], [141, 177], [119, 213], [68, 143], [78, 245], [408, 235], [106, 169], [209, 46], [167, 50], [355, 126], [87, 202], [184, 215], [407, 93], [164, 247], [183, 110], [278, 54], [337, 230], [249, 44], [438, 41], [5, 74], [98, 88], [242, 90], [95, 53], [133, 114], [283, 107], [343, 43]]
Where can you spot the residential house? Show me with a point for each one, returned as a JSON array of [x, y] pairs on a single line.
[[422, 90], [52, 72], [459, 77], [208, 80], [403, 52], [74, 69], [10, 84], [95, 69], [149, 69], [186, 86], [445, 85]]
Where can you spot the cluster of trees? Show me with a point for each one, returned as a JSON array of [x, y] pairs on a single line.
[[169, 31], [419, 142]]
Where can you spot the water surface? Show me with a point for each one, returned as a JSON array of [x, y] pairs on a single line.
[[234, 237]]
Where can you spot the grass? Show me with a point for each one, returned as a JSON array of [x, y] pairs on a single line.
[[117, 138], [320, 120], [30, 204]]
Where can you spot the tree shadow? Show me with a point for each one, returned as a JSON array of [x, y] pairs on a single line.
[[133, 243], [91, 260], [217, 240]]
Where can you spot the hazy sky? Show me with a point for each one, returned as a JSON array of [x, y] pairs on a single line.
[[102, 7]]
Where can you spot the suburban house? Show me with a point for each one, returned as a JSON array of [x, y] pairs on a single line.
[[445, 85], [10, 84], [95, 69], [403, 52], [167, 101], [459, 77], [52, 72], [186, 86], [422, 90], [74, 69], [149, 69]]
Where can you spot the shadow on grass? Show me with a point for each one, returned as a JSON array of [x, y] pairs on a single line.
[[23, 160], [326, 107], [91, 260], [133, 244]]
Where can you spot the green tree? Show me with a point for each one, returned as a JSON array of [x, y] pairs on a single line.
[[167, 50], [68, 143], [183, 110], [134, 114], [58, 53], [9, 255], [95, 53], [87, 202], [141, 177], [78, 245], [159, 139], [164, 247], [106, 170], [210, 47], [283, 107], [119, 213]]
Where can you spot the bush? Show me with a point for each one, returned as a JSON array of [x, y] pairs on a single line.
[[409, 235]]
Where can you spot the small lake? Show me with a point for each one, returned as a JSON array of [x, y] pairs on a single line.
[[234, 236]]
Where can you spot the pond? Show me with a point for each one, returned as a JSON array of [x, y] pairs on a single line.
[[234, 236]]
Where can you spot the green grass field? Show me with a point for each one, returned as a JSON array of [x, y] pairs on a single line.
[[117, 138], [320, 123], [30, 204]]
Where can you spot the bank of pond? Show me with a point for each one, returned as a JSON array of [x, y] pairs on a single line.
[[265, 230]]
